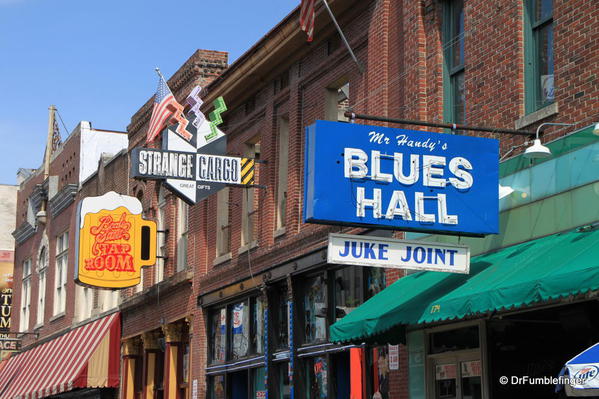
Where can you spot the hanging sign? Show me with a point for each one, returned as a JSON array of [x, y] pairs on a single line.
[[10, 344], [372, 176], [113, 241], [6, 276], [195, 166], [346, 249]]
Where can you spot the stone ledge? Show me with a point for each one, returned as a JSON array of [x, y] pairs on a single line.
[[536, 116]]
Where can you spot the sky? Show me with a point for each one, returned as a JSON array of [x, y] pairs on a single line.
[[95, 60]]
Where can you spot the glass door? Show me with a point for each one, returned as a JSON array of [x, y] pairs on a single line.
[[457, 377]]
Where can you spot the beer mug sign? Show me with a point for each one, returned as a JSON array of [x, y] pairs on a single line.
[[113, 241]]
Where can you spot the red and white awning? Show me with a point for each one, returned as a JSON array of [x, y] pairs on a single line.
[[86, 357]]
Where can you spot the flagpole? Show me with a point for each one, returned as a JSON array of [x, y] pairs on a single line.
[[353, 56], [159, 73]]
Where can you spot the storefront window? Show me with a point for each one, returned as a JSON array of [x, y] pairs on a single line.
[[445, 381], [281, 317], [315, 310], [375, 281], [258, 325], [283, 381], [240, 329], [317, 382], [216, 387], [354, 285], [348, 290], [258, 383], [218, 333], [454, 340]]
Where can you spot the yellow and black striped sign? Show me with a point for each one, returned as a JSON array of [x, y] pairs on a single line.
[[247, 170]]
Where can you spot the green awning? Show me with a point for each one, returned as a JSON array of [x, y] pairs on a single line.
[[544, 269]]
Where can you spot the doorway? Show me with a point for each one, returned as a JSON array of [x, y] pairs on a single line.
[[457, 376]]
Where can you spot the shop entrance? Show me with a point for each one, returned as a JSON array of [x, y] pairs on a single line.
[[457, 376], [454, 362]]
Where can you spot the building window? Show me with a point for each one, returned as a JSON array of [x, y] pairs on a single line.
[[223, 230], [240, 330], [315, 310], [25, 296], [337, 102], [317, 382], [182, 229], [161, 237], [281, 317], [453, 67], [60, 277], [216, 387], [237, 330], [538, 31], [283, 160], [218, 335], [42, 269], [249, 208], [84, 303]]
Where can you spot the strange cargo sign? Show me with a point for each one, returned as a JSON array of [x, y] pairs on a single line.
[[113, 241], [346, 249], [192, 161], [381, 177]]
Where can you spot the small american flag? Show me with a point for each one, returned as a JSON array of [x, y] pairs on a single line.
[[164, 102], [307, 17], [56, 141]]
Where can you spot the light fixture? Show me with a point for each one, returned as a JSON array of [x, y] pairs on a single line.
[[596, 129], [41, 217], [538, 150], [504, 191]]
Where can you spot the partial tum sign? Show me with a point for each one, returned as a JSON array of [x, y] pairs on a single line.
[[113, 241], [346, 249], [371, 176], [195, 165]]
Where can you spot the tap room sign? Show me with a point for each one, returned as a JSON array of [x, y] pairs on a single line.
[[371, 176], [113, 241]]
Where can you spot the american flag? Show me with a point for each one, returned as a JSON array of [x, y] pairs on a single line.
[[307, 17], [164, 102]]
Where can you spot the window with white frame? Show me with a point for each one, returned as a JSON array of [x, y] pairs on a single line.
[[182, 228], [42, 271], [25, 296], [60, 277], [161, 244], [84, 303]]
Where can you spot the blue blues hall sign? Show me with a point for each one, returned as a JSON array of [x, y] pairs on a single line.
[[381, 177]]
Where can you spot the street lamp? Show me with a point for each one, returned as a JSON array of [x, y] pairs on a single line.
[[538, 150]]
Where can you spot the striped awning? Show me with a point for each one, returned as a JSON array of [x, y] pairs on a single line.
[[85, 357]]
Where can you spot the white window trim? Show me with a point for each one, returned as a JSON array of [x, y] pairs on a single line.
[[62, 265], [42, 270], [25, 307]]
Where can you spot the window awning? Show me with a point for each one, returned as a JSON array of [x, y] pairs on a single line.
[[86, 357], [540, 270]]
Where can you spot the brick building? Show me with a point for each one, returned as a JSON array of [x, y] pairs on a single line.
[[158, 313], [70, 332], [268, 296]]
